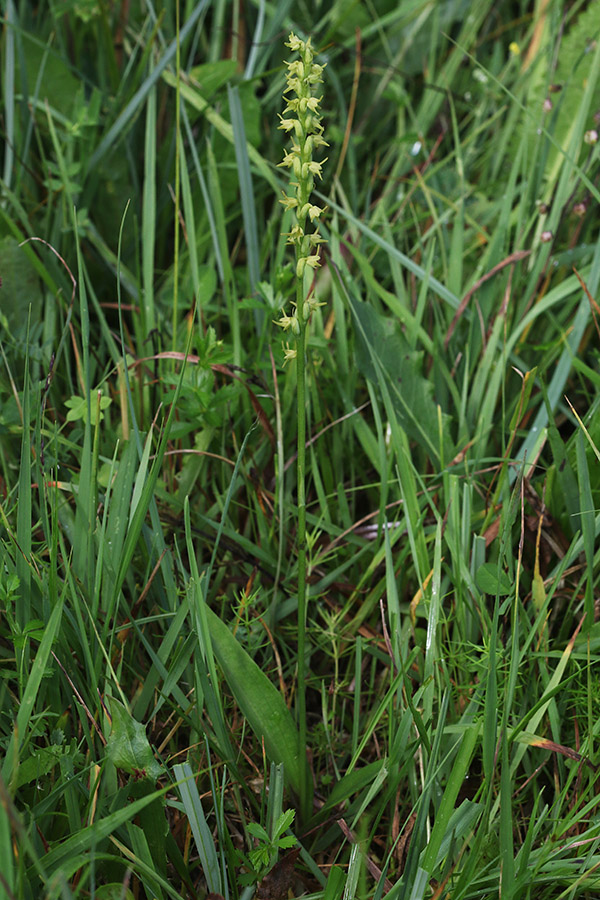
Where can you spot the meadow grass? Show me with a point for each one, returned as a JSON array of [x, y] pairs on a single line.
[[151, 731]]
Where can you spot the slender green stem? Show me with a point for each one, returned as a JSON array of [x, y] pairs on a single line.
[[177, 149], [301, 542]]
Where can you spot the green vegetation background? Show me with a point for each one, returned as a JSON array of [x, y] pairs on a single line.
[[148, 634]]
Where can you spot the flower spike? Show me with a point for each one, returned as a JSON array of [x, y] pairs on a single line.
[[301, 119]]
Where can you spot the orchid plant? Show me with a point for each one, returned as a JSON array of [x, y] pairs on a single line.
[[301, 119]]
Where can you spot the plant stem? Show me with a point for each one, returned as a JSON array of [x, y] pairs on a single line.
[[177, 177], [301, 542], [304, 127]]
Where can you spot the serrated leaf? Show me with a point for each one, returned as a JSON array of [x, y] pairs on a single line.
[[128, 747], [287, 841], [283, 823], [258, 831]]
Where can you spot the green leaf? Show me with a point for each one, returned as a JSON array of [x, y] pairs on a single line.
[[128, 747], [33, 629], [282, 824], [335, 883], [211, 76], [384, 355], [492, 581], [287, 841], [31, 691], [258, 832], [352, 782], [446, 806], [20, 287], [258, 699], [78, 408], [40, 763], [203, 837], [65, 853], [113, 891], [521, 407]]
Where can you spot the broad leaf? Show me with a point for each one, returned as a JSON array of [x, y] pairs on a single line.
[[128, 747], [258, 699]]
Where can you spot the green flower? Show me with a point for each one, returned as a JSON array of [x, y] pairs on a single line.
[[301, 119], [294, 43], [289, 202], [289, 353], [311, 261], [313, 212], [286, 322]]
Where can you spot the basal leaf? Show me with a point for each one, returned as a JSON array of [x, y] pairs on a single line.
[[258, 699], [128, 747]]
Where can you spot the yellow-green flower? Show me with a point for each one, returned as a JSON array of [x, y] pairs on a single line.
[[289, 353], [286, 322], [301, 119], [311, 261]]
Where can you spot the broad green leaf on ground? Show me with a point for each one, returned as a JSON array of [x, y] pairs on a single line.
[[128, 747], [258, 699]]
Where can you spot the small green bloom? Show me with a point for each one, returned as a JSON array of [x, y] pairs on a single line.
[[312, 103], [295, 85], [311, 261], [288, 202], [312, 211], [289, 353], [294, 42], [289, 159], [314, 76], [314, 168], [296, 235], [287, 124], [313, 141], [285, 322], [314, 304]]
